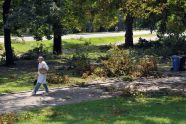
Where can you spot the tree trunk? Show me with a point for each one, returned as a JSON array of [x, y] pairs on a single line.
[[129, 31], [57, 46], [7, 37]]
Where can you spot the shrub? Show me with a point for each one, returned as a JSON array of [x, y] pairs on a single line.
[[80, 63], [176, 45], [3, 56], [1, 47], [8, 118], [1, 52], [41, 49], [100, 72], [87, 43], [123, 63], [119, 62], [127, 78], [143, 43], [58, 79], [145, 66], [128, 92], [162, 49]]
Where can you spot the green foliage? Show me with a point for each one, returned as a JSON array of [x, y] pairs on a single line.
[[162, 49], [146, 66], [172, 18], [128, 78], [54, 78], [128, 92], [1, 17], [41, 18], [100, 72], [123, 63], [143, 43], [41, 49], [3, 56], [80, 63], [119, 62], [174, 25], [8, 118], [1, 47], [175, 45]]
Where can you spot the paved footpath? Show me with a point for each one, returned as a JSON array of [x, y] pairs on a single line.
[[95, 90], [82, 35], [24, 100]]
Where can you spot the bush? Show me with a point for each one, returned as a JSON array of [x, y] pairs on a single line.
[[143, 43], [145, 66], [128, 92], [163, 49], [3, 56], [119, 62], [8, 118], [80, 63], [100, 72], [176, 45], [1, 53], [41, 49], [58, 79], [1, 47]]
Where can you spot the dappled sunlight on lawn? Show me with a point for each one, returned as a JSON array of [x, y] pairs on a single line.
[[118, 110]]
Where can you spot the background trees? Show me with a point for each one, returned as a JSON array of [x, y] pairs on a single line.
[[130, 10], [173, 18], [43, 18], [1, 17], [58, 17]]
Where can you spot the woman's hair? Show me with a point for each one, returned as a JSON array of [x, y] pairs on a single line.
[[41, 58]]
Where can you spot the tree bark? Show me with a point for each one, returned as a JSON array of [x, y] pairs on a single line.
[[129, 31], [57, 46], [7, 32]]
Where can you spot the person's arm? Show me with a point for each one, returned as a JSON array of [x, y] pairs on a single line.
[[43, 70]]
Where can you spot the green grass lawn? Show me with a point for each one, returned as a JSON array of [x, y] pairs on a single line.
[[21, 78], [13, 80], [20, 48], [155, 110], [13, 83], [70, 43]]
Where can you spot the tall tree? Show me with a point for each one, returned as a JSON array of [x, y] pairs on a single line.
[[7, 33], [131, 9], [1, 18], [43, 18], [136, 9], [129, 30]]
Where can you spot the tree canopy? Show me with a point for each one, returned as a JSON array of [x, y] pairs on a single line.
[[58, 17]]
